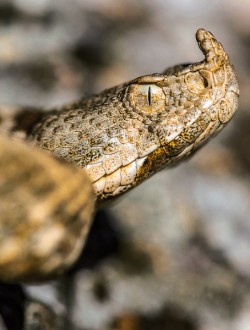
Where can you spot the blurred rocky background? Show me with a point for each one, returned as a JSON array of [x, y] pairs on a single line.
[[174, 253]]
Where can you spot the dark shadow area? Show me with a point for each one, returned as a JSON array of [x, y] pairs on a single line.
[[93, 50], [101, 291], [102, 242], [12, 304], [135, 261], [42, 72], [10, 14]]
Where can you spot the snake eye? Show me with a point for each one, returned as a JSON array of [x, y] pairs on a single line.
[[147, 98]]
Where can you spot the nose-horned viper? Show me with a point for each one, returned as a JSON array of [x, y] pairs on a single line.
[[119, 137]]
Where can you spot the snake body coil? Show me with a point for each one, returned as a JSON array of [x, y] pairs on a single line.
[[127, 133]]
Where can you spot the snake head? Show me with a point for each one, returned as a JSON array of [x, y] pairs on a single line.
[[188, 103], [129, 132]]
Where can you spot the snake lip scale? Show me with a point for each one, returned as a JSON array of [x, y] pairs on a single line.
[[117, 139]]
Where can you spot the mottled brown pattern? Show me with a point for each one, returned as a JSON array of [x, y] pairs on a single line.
[[120, 138]]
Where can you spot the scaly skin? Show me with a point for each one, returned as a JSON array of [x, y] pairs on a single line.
[[120, 137], [127, 133], [43, 222]]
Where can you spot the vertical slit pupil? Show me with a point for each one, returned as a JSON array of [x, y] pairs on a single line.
[[149, 95]]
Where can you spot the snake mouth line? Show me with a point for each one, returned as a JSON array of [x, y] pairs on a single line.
[[232, 89]]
